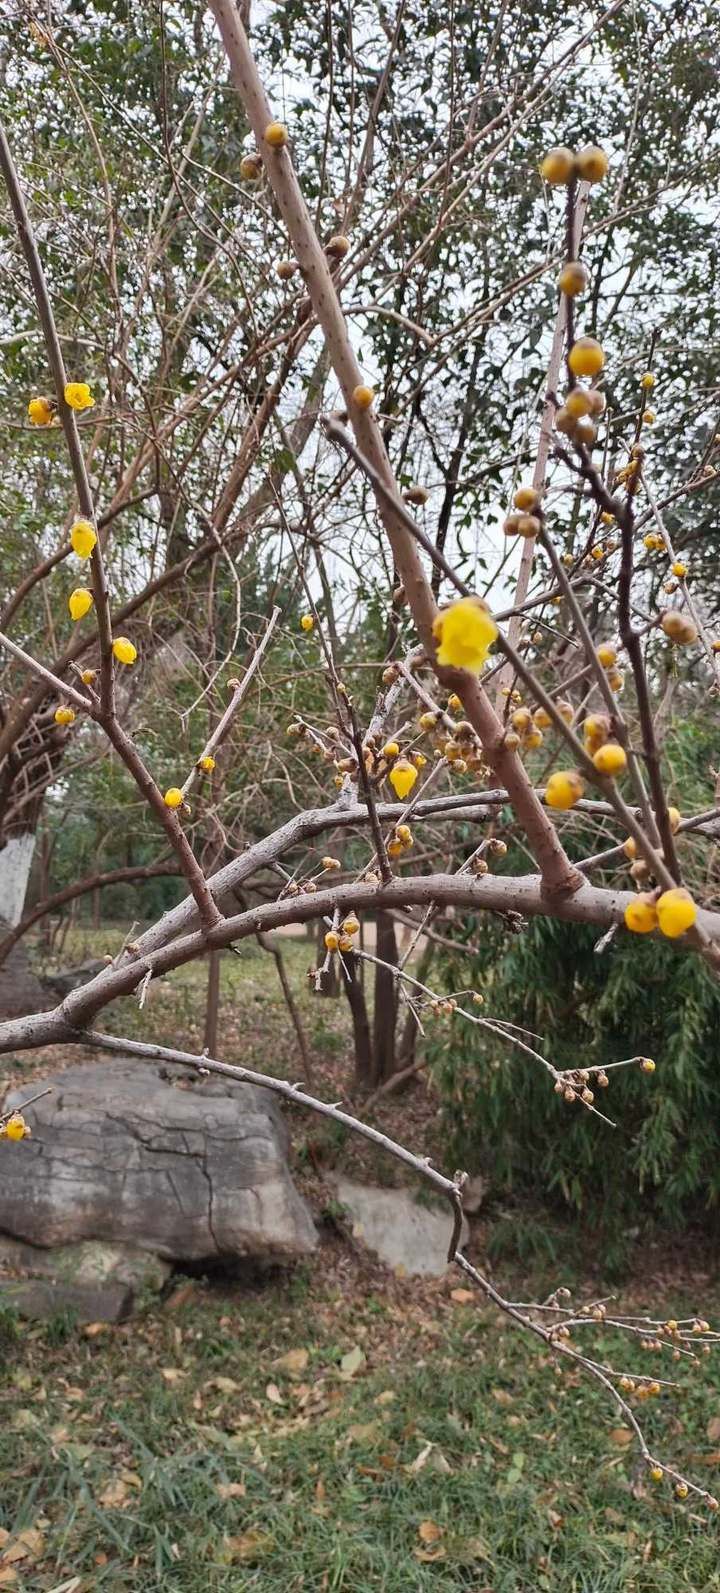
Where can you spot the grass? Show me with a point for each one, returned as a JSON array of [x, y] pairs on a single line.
[[180, 1452], [174, 1453]]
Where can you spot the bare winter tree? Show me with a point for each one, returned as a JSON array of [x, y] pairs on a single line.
[[578, 650]]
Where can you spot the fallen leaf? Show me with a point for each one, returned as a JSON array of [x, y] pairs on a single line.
[[230, 1490], [224, 1385], [713, 1428], [556, 1521], [428, 1555], [363, 1433], [351, 1363], [180, 1296], [115, 1496], [4, 1535], [272, 1393], [294, 1362], [386, 1398], [92, 1329], [475, 1549], [75, 1394], [463, 1296], [502, 1397], [8, 1577], [429, 1531], [620, 1436], [172, 1374], [248, 1545]]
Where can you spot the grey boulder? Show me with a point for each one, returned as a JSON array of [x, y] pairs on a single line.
[[128, 1153]]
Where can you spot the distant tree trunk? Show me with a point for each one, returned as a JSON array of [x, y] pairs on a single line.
[[327, 984], [408, 1040], [364, 1060], [212, 1003], [385, 1014]]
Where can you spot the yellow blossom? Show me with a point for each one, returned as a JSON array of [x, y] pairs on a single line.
[[402, 778], [208, 764], [80, 602], [83, 538], [124, 650], [641, 915], [174, 797], [15, 1128], [64, 715], [40, 411], [676, 912], [78, 395], [466, 631], [564, 789], [306, 622]]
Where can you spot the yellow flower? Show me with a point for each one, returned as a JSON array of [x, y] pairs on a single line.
[[363, 396], [83, 538], [16, 1127], [647, 381], [64, 715], [351, 925], [174, 797], [80, 602], [208, 764], [641, 916], [391, 749], [276, 135], [87, 677], [647, 1065], [564, 789], [78, 395], [332, 940], [586, 357], [124, 650], [466, 631], [306, 622], [40, 411], [402, 778], [676, 912], [610, 759]]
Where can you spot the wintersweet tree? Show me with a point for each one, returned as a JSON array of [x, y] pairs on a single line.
[[544, 707]]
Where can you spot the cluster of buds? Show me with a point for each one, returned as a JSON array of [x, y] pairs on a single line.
[[582, 407], [574, 1084], [342, 938], [441, 1008], [493, 847], [400, 841], [607, 656], [628, 475], [607, 755], [527, 726]]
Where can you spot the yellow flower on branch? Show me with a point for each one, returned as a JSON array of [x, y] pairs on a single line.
[[402, 778], [40, 411], [83, 538], [124, 650], [15, 1128], [78, 395], [466, 631], [80, 602]]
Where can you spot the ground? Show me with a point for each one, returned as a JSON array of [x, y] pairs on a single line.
[[336, 1427]]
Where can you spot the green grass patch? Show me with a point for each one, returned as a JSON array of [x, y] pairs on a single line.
[[182, 1451]]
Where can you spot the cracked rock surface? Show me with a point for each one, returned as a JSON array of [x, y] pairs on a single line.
[[123, 1152]]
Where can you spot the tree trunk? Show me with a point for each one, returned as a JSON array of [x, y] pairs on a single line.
[[408, 1041], [385, 1014], [20, 989], [364, 1063], [15, 864]]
